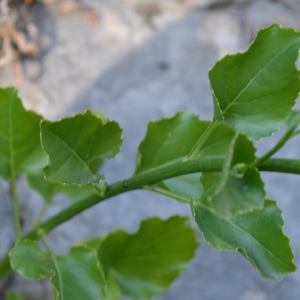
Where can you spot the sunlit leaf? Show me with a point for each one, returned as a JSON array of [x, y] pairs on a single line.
[[255, 91], [257, 235], [77, 146], [20, 149]]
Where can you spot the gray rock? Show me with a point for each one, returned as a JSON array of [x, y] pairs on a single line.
[[135, 70], [7, 229], [292, 4]]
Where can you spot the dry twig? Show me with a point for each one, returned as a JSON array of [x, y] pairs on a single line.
[[13, 42]]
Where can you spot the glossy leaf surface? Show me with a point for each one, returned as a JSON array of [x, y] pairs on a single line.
[[77, 146], [257, 235], [239, 187], [146, 262], [255, 91], [20, 149], [173, 139]]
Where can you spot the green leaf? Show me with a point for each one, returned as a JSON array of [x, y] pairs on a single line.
[[48, 190], [11, 295], [79, 276], [146, 262], [257, 235], [182, 137], [77, 146], [93, 243], [20, 149], [293, 122], [170, 140], [113, 289], [185, 188], [29, 261], [255, 91], [239, 187]]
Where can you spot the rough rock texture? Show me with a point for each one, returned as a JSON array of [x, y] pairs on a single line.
[[141, 61]]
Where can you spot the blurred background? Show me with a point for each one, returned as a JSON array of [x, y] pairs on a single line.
[[136, 61]]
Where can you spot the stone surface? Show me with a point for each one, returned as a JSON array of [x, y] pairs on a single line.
[[292, 4], [141, 61], [7, 228]]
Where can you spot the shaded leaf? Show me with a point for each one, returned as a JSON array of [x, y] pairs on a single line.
[[257, 235], [77, 146], [185, 188], [48, 190], [239, 187], [146, 262], [20, 148], [293, 122], [93, 243], [11, 295], [255, 91], [113, 289], [28, 260], [79, 275]]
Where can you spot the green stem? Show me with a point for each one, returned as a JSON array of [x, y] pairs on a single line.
[[203, 138], [16, 208], [167, 193], [277, 147], [151, 177], [144, 180], [40, 214], [138, 181], [281, 165]]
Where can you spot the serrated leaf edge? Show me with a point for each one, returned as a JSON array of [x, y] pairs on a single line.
[[47, 275], [98, 177], [217, 102], [244, 250]]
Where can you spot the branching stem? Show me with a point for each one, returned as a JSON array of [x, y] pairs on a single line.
[[151, 177], [16, 208], [144, 180], [277, 146]]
